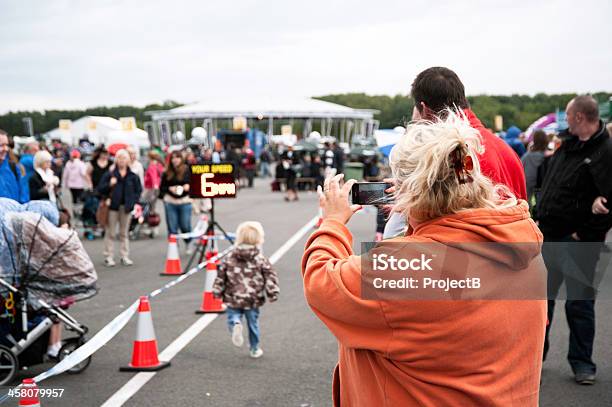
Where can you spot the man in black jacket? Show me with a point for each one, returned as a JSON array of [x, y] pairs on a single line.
[[573, 214]]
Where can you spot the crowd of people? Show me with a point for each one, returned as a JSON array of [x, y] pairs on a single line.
[[299, 170], [453, 180], [113, 183]]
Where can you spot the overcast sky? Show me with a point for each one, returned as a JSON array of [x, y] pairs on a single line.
[[77, 54]]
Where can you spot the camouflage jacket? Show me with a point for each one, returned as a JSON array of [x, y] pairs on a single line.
[[245, 278]]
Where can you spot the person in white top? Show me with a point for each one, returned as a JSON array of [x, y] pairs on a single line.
[[135, 165], [43, 183]]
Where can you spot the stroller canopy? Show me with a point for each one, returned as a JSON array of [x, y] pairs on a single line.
[[44, 260], [45, 208]]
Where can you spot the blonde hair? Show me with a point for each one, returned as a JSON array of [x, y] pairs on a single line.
[[250, 233], [427, 184], [123, 152], [41, 157]]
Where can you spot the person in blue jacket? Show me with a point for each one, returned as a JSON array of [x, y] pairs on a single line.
[[513, 140], [13, 180], [27, 158]]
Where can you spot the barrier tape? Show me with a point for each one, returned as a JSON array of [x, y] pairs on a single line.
[[195, 235], [200, 230], [194, 270], [111, 329], [90, 347]]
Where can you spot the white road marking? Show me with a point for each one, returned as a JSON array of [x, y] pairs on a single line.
[[140, 379], [179, 343], [129, 389], [293, 240]]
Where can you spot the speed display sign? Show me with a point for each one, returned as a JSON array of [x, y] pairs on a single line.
[[212, 180]]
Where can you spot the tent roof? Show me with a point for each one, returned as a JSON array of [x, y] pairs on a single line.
[[140, 133], [104, 120], [107, 130], [264, 107]]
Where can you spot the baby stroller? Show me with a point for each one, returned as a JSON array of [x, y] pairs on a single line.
[[144, 220], [49, 271]]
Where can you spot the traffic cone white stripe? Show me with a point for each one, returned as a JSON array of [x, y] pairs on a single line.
[[173, 251], [211, 275], [144, 330]]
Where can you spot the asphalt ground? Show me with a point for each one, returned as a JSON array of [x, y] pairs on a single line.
[[299, 351]]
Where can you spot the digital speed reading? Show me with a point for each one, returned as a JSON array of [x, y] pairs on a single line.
[[212, 189], [213, 180]]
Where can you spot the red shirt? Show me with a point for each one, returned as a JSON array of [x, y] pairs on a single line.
[[152, 178], [499, 162]]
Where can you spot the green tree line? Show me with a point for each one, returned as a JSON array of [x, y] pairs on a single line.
[[518, 110]]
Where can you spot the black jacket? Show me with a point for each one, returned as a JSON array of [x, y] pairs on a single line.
[[126, 191], [166, 183], [576, 174], [339, 159], [37, 188]]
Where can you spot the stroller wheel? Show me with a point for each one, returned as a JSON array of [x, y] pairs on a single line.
[[69, 346], [9, 365], [135, 235]]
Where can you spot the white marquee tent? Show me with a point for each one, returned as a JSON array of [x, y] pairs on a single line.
[[264, 107], [101, 130], [216, 113]]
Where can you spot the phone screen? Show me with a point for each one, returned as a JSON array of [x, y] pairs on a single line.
[[370, 193]]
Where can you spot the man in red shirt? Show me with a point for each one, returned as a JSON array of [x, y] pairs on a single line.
[[436, 89]]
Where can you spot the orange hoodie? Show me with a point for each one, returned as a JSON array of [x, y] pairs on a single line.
[[429, 353]]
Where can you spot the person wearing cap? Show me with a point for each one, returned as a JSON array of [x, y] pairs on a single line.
[[74, 176]]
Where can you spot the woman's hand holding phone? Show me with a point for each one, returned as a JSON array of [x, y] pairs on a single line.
[[333, 199], [390, 190]]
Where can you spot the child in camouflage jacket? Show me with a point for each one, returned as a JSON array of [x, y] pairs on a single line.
[[244, 279]]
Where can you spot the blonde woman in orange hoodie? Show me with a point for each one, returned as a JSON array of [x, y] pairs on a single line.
[[482, 350]]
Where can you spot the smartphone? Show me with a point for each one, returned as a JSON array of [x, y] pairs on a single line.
[[371, 193]]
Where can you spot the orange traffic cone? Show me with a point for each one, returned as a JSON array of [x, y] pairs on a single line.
[[210, 304], [144, 353], [29, 393], [173, 261]]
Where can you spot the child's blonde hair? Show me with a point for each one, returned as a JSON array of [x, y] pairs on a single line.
[[427, 184], [250, 232]]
